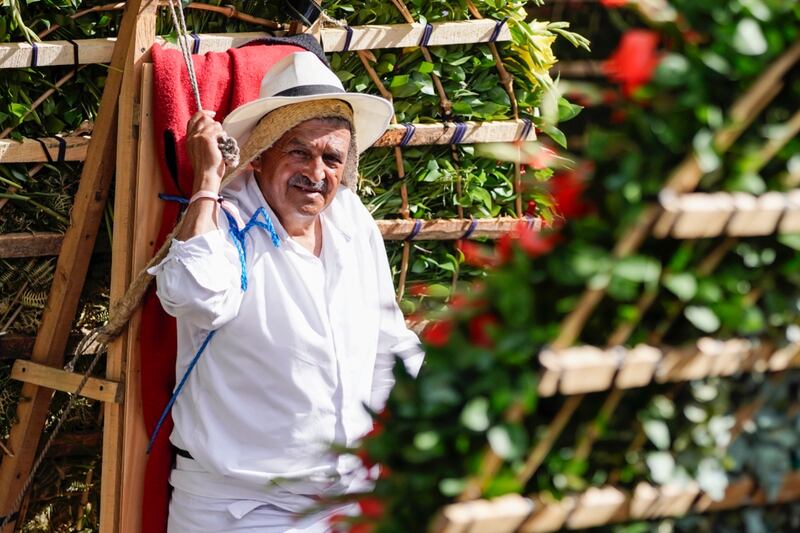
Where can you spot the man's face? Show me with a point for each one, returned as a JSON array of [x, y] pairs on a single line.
[[300, 173]]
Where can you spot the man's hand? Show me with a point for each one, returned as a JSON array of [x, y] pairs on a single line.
[[208, 167], [202, 146]]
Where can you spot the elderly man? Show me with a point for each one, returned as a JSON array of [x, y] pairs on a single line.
[[287, 325]]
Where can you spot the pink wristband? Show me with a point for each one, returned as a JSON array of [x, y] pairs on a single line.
[[201, 194], [227, 206]]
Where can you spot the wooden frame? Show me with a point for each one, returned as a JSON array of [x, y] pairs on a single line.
[[703, 215], [93, 51], [498, 131]]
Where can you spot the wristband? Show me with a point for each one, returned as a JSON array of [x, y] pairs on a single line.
[[224, 204], [202, 194]]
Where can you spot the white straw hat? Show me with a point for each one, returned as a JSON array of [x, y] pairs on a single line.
[[302, 77]]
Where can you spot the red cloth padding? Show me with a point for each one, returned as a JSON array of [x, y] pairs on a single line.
[[226, 80]]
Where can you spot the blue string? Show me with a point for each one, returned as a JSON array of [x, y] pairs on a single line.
[[497, 27], [238, 236], [414, 230], [178, 389], [173, 198], [347, 39], [238, 239], [409, 133]]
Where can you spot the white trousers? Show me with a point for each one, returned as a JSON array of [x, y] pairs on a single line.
[[189, 513]]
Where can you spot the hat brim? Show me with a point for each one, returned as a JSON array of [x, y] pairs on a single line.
[[371, 115]]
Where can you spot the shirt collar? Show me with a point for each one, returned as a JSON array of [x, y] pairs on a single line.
[[335, 216]]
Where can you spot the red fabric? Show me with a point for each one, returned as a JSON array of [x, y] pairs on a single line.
[[226, 80]]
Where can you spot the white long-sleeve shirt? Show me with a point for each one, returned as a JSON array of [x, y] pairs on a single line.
[[295, 357]]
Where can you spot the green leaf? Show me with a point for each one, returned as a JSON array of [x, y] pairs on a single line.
[[505, 443], [748, 38], [567, 110], [703, 318], [475, 415], [554, 133], [682, 285], [638, 268], [792, 240], [661, 466], [425, 68], [658, 433], [712, 478]]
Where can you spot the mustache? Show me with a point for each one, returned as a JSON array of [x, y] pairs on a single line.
[[298, 180]]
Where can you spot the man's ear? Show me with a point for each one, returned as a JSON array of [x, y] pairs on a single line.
[[255, 166]]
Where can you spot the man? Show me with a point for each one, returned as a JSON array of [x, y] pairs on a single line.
[[300, 303]]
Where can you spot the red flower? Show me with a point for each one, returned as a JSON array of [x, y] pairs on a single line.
[[612, 4], [475, 254], [361, 528], [633, 62], [419, 289], [531, 209], [533, 242], [371, 507], [480, 329], [567, 189], [543, 158], [437, 333], [536, 244]]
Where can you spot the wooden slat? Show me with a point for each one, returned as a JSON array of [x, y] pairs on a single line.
[[601, 506], [119, 500], [30, 151], [92, 51], [451, 229], [585, 369], [58, 379], [70, 275], [21, 346], [44, 244], [30, 244], [146, 222], [702, 215]]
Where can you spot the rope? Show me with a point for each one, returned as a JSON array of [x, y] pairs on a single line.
[[80, 350], [227, 145]]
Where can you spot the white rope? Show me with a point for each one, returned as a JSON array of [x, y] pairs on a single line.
[[227, 145]]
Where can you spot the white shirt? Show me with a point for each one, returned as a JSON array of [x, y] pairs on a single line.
[[295, 357]]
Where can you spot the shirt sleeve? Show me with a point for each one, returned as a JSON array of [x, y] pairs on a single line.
[[200, 280], [394, 337]]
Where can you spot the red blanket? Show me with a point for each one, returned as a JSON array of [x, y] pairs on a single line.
[[226, 80]]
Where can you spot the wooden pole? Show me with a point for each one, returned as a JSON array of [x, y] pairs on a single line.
[[70, 275], [122, 363]]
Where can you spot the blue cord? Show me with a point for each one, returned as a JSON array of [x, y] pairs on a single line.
[[238, 236]]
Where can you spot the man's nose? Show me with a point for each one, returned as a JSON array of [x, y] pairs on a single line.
[[316, 170]]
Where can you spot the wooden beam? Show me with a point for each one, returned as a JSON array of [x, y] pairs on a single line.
[[36, 244], [452, 229], [601, 506], [497, 131], [120, 500], [585, 369], [30, 150], [146, 222], [92, 51], [703, 215], [70, 274], [59, 379], [14, 347]]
